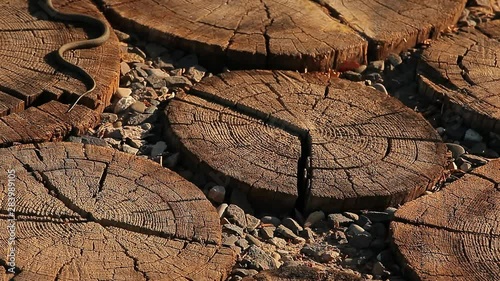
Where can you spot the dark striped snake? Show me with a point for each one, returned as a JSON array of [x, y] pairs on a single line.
[[47, 6]]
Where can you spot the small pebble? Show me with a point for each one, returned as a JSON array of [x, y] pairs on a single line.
[[124, 103], [380, 88], [314, 218], [394, 59], [471, 135], [456, 150], [221, 210]]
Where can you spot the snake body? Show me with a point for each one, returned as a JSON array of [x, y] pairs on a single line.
[[47, 6]]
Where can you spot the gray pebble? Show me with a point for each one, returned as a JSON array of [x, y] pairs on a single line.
[[339, 220], [229, 240], [267, 232], [231, 228], [253, 240], [471, 135], [270, 220], [394, 59], [256, 258], [252, 222], [242, 243], [236, 215], [108, 117], [292, 225], [351, 75], [123, 103], [456, 150], [128, 149], [314, 218], [377, 216], [217, 194], [177, 81]]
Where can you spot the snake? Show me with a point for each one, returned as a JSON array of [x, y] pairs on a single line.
[[48, 8]]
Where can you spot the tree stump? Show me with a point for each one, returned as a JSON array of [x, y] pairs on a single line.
[[48, 122], [462, 71], [491, 29], [277, 34], [453, 234], [91, 213], [29, 74], [393, 26], [301, 140]]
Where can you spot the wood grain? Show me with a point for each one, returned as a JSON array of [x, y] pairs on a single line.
[[276, 34], [393, 26], [326, 144], [47, 122], [29, 71], [453, 234], [92, 213], [462, 71]]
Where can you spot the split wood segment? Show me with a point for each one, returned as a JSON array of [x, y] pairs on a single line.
[[463, 72], [302, 273], [393, 26], [92, 213], [276, 34], [453, 234], [29, 74], [47, 122], [491, 28], [301, 140], [282, 34]]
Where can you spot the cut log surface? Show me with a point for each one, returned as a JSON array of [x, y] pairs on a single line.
[[393, 26], [491, 29], [462, 71], [91, 213], [29, 73], [48, 122], [283, 136], [278, 34], [453, 234]]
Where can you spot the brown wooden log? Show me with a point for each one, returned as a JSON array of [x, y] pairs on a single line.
[[392, 26], [302, 273], [462, 71], [302, 140], [453, 234], [491, 28], [48, 122], [277, 34], [29, 73], [91, 213]]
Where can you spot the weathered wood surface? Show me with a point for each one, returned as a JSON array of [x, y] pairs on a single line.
[[291, 139], [392, 26], [47, 122], [491, 28], [91, 213], [462, 71], [277, 34], [302, 273], [29, 74], [453, 234]]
